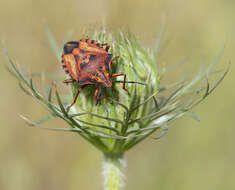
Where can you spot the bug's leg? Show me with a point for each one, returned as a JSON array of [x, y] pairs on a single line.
[[103, 97], [124, 83], [69, 81], [107, 46], [75, 99], [114, 59], [96, 94]]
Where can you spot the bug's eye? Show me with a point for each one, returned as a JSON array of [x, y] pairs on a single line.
[[69, 46]]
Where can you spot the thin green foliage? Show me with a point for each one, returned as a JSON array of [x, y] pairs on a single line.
[[120, 121]]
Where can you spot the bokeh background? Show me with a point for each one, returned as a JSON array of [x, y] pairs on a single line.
[[191, 156]]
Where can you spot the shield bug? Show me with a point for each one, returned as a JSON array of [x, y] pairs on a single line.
[[87, 62]]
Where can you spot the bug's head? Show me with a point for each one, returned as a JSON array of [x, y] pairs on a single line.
[[101, 76], [69, 46], [107, 83], [104, 78]]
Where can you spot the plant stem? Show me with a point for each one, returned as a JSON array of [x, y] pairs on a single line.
[[113, 172]]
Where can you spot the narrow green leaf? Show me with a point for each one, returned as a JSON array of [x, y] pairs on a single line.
[[156, 106], [49, 93], [96, 115], [159, 37], [24, 89], [11, 72], [133, 99], [153, 116], [207, 88], [61, 104], [220, 79], [31, 85], [176, 84], [195, 103], [118, 103], [44, 119], [163, 132], [98, 125], [174, 66], [173, 95], [145, 101], [53, 42], [193, 115], [37, 124], [217, 59]]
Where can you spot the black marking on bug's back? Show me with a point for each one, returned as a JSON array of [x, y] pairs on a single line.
[[69, 46], [64, 66], [92, 41], [73, 43], [98, 44], [87, 40], [92, 56], [100, 69]]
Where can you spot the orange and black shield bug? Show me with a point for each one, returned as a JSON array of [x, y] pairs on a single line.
[[87, 63]]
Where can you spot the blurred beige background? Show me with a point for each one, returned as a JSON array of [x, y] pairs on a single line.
[[191, 156]]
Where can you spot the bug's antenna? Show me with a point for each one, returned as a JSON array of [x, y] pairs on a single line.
[[132, 82]]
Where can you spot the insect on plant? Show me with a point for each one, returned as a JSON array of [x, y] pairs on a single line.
[[120, 126], [87, 62]]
